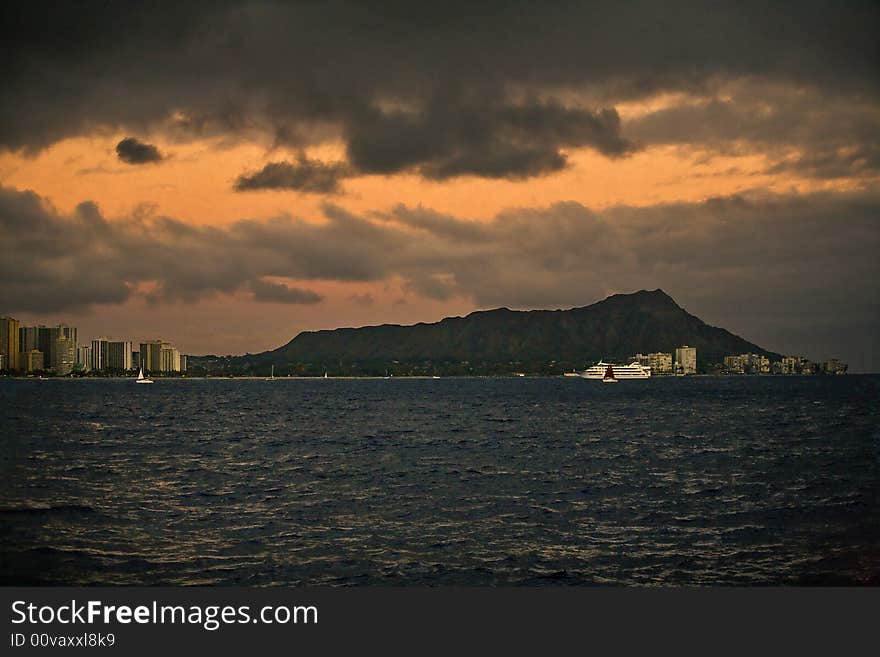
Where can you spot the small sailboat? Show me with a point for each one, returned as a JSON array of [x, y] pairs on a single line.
[[609, 376], [272, 375], [141, 378], [325, 375]]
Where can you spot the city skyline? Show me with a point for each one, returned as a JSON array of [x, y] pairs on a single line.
[[57, 349], [83, 356], [87, 354], [261, 169], [105, 354]]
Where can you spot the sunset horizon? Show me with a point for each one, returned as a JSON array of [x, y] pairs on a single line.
[[184, 183]]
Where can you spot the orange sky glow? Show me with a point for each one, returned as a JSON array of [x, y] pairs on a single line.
[[337, 166], [195, 183]]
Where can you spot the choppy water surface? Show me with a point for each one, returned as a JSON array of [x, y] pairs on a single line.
[[451, 481]]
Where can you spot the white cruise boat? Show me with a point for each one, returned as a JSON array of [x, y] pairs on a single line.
[[620, 372]]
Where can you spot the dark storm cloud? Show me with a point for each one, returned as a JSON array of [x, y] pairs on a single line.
[[132, 151], [444, 90], [482, 138], [791, 272], [305, 175], [799, 129]]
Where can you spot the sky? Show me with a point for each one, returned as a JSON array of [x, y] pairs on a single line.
[[224, 175]]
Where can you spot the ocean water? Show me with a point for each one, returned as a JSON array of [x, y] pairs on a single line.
[[671, 481]]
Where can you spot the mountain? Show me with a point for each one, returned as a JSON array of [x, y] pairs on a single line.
[[501, 340]]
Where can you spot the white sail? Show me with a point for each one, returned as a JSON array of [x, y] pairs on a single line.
[[141, 378]]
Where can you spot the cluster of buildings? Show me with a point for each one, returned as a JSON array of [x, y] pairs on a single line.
[[747, 364], [800, 365], [56, 349], [684, 362], [757, 364]]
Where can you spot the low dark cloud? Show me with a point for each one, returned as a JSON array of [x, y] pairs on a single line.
[[269, 292], [791, 272], [132, 151], [798, 129], [842, 161], [304, 175], [497, 89], [481, 137]]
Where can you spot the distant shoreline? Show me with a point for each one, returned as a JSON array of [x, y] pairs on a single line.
[[422, 377]]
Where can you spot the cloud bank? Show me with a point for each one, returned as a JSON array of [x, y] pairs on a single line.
[[770, 265], [497, 90]]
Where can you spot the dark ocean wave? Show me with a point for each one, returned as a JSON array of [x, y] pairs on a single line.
[[524, 482], [59, 509]]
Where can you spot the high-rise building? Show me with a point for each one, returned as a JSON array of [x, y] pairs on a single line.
[[734, 365], [151, 356], [686, 360], [29, 338], [107, 355], [84, 357], [170, 358], [795, 365], [44, 344], [44, 339], [37, 337], [834, 366], [118, 355], [9, 342], [63, 349], [158, 356], [99, 354], [68, 332], [32, 361], [747, 364], [63, 354], [659, 362]]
